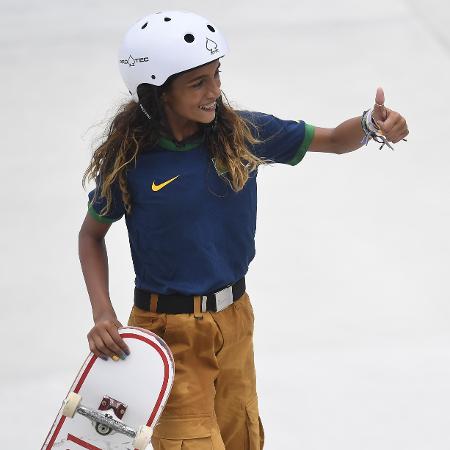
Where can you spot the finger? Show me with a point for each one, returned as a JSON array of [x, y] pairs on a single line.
[[391, 121], [394, 130], [94, 350], [379, 97], [101, 346], [118, 339], [92, 347], [381, 127], [400, 135], [111, 345], [397, 129], [380, 112]]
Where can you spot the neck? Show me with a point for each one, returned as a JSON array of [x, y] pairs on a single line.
[[181, 135], [181, 128]]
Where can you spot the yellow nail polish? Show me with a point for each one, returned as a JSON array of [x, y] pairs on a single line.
[[115, 358]]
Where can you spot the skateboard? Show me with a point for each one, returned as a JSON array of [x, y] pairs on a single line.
[[114, 405]]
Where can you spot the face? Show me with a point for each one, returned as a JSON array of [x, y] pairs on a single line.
[[191, 97]]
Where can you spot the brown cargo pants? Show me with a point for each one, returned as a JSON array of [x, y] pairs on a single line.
[[213, 403]]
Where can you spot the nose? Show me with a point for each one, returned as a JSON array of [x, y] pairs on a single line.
[[214, 89]]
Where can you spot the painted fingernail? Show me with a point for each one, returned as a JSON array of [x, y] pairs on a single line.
[[115, 358], [127, 351], [104, 357], [123, 356]]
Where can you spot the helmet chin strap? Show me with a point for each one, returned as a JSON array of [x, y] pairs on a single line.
[[209, 128], [149, 117]]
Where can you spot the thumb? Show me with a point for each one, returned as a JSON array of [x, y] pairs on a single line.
[[379, 110], [117, 323]]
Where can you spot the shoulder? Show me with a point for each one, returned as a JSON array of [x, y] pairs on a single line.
[[254, 117], [260, 123], [265, 125]]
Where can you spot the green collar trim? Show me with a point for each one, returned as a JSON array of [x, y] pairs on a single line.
[[169, 144]]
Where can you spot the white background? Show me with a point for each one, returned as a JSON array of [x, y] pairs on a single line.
[[350, 284]]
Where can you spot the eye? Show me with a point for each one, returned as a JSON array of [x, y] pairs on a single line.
[[200, 83]]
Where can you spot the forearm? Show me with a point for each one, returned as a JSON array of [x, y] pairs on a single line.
[[94, 264], [348, 135]]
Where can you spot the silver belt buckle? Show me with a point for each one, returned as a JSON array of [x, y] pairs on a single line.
[[204, 299], [224, 298]]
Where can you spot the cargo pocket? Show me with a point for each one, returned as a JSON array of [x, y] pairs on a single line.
[[255, 430], [154, 322], [186, 435], [206, 443]]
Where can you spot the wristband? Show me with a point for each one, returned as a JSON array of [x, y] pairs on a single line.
[[371, 130]]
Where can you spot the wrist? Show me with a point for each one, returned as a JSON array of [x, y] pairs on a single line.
[[372, 130], [103, 311]]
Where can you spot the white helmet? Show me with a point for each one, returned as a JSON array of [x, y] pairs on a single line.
[[165, 43]]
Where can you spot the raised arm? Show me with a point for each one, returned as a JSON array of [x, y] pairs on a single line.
[[349, 135]]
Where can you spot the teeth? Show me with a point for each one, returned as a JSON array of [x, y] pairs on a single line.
[[208, 107]]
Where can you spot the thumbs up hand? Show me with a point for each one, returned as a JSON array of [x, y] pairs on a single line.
[[392, 125]]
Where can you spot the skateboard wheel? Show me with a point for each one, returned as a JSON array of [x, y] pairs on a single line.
[[143, 437], [71, 404]]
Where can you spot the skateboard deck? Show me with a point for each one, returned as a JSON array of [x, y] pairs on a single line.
[[109, 399]]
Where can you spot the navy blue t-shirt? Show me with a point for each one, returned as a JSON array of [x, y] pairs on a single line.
[[189, 232]]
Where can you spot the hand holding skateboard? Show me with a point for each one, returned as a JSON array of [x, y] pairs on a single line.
[[115, 404], [104, 338]]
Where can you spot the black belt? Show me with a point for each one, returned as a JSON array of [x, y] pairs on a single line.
[[184, 304]]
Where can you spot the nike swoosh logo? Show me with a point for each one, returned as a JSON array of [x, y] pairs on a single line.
[[157, 187]]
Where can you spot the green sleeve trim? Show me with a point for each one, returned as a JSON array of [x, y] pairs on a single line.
[[301, 152], [97, 216]]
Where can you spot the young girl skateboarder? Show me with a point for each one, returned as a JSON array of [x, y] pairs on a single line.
[[180, 164]]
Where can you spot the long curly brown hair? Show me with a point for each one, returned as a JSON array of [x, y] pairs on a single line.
[[130, 130]]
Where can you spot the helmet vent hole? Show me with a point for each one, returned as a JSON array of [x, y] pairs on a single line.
[[153, 77], [189, 38], [143, 26], [130, 92], [211, 28], [167, 19]]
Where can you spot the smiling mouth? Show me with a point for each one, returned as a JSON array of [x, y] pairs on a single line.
[[210, 107]]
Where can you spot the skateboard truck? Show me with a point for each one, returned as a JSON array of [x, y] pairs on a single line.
[[109, 404], [106, 423]]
